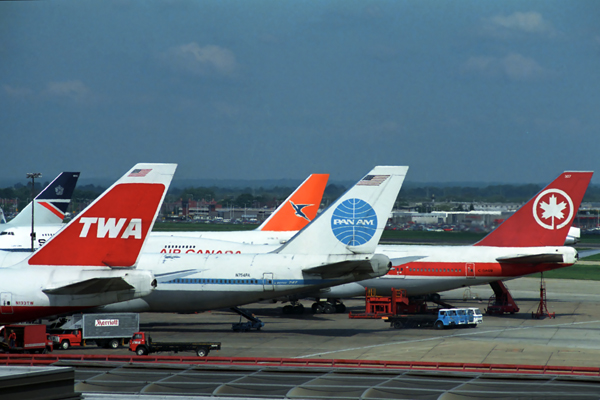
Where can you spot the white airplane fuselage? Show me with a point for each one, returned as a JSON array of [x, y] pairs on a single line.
[[252, 237], [192, 282], [438, 269], [444, 268], [208, 286], [18, 238]]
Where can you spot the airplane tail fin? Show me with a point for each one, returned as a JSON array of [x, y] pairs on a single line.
[[111, 230], [299, 208], [354, 223], [51, 204], [546, 218]]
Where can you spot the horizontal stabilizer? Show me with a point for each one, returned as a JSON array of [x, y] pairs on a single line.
[[396, 262], [588, 253], [92, 286], [550, 258], [329, 271], [169, 276]]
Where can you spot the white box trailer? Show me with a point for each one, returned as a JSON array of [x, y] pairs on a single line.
[[106, 330]]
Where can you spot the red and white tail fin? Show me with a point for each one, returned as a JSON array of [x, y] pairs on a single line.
[[546, 218], [299, 208], [112, 230]]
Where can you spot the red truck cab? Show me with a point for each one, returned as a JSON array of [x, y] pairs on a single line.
[[138, 339], [67, 339]]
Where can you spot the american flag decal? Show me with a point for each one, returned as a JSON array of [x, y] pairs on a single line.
[[138, 173], [372, 180]]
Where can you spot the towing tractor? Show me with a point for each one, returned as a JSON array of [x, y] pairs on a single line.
[[142, 345]]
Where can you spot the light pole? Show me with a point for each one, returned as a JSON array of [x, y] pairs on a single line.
[[33, 175]]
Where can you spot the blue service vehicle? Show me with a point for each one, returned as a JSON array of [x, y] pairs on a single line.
[[451, 317], [445, 318]]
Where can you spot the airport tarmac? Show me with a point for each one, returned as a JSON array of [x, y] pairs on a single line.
[[570, 339]]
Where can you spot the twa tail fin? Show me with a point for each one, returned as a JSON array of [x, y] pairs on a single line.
[[355, 222], [112, 230], [299, 208], [51, 204], [546, 218]]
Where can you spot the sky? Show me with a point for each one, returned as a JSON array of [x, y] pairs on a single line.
[[460, 91]]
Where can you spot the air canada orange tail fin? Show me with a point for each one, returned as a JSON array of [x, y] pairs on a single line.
[[546, 218], [111, 231], [299, 208]]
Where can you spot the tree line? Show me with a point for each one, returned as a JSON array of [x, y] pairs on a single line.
[[267, 197]]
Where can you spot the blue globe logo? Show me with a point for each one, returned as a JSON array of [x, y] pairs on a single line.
[[354, 222]]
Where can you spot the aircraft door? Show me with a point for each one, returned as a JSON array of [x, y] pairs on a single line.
[[398, 272], [470, 270], [6, 303], [268, 282]]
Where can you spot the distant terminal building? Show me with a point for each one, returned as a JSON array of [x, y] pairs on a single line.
[[486, 216], [480, 219], [196, 209], [588, 217], [206, 211], [503, 207]]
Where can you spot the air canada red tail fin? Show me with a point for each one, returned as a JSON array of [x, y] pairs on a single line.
[[546, 218], [111, 231], [299, 208]]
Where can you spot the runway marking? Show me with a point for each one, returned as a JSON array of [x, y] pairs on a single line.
[[479, 332]]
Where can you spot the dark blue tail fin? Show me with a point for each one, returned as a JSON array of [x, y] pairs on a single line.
[[52, 202]]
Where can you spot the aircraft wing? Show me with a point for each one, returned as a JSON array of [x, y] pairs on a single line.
[[550, 258], [92, 286], [377, 263]]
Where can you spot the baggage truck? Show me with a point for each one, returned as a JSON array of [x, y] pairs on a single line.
[[105, 330], [28, 339], [142, 344]]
